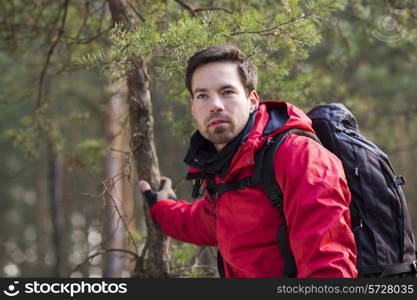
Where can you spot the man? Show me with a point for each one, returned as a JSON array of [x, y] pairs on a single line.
[[232, 126]]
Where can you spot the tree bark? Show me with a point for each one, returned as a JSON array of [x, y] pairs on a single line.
[[129, 209], [154, 264], [113, 223]]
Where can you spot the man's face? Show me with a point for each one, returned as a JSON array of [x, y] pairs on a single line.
[[220, 105]]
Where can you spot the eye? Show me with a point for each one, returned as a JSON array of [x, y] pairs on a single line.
[[228, 92], [201, 96]]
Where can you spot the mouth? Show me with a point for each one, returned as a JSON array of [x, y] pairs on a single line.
[[217, 122]]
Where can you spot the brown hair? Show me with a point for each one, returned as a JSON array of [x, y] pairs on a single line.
[[226, 53]]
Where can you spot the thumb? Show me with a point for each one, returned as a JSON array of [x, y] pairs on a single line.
[[166, 183], [144, 186]]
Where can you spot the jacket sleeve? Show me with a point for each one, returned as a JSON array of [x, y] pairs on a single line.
[[316, 206], [189, 222]]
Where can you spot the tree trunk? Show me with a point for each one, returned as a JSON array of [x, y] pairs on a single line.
[[41, 208], [113, 218], [129, 209], [56, 177], [142, 143]]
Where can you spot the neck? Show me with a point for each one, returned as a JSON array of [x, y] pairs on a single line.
[[219, 147]]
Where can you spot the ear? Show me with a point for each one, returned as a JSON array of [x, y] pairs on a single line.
[[254, 100]]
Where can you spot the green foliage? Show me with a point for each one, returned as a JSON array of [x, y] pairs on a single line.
[[92, 152], [276, 37], [12, 91], [137, 236], [361, 53], [184, 262], [32, 132], [367, 61]]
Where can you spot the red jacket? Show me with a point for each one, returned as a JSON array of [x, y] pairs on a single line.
[[243, 223]]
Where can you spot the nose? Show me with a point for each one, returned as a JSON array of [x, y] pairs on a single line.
[[216, 104]]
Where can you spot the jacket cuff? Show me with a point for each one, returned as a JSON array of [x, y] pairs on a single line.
[[153, 211]]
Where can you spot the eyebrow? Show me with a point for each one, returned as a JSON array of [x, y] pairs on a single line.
[[227, 86], [199, 90]]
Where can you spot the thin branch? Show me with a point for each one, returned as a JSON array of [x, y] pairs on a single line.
[[119, 213], [213, 8], [193, 11], [89, 39], [137, 13], [275, 27], [187, 7], [77, 36], [101, 18], [128, 153], [49, 55], [102, 252], [86, 195], [265, 31]]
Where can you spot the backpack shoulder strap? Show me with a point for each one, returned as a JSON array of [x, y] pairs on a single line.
[[265, 175]]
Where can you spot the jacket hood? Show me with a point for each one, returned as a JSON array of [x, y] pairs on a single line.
[[275, 117]]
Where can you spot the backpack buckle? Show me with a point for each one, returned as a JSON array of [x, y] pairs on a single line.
[[414, 266], [400, 180], [268, 140]]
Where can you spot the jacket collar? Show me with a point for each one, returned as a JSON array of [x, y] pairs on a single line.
[[203, 155], [271, 118]]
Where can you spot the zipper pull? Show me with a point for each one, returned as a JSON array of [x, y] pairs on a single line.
[[356, 171]]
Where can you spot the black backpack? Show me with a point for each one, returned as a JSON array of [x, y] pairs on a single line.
[[379, 215]]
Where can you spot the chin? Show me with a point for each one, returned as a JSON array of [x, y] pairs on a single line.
[[221, 138]]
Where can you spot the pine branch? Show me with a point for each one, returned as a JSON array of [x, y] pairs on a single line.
[[266, 31]]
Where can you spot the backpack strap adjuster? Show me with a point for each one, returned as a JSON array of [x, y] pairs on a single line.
[[400, 180], [414, 266]]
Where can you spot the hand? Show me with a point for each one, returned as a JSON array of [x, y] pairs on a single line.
[[165, 191]]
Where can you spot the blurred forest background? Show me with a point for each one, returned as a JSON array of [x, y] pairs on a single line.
[[70, 70]]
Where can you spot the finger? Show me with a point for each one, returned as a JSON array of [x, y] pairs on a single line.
[[144, 186], [165, 183], [162, 184], [172, 197]]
